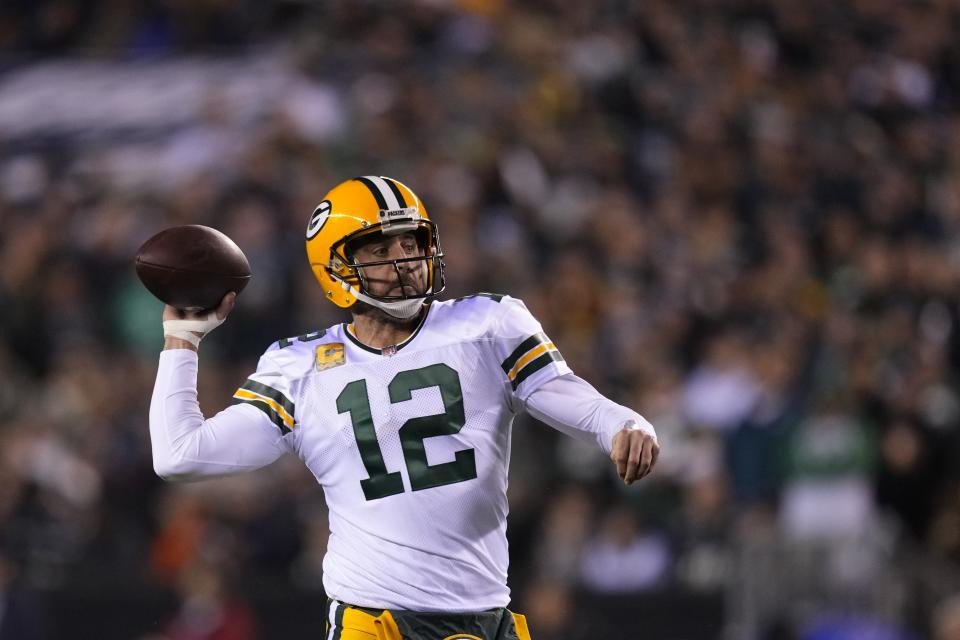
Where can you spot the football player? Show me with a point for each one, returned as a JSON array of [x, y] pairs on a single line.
[[402, 415]]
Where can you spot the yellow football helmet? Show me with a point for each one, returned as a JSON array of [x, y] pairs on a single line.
[[358, 208]]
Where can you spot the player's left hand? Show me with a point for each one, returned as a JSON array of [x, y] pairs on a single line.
[[634, 452]]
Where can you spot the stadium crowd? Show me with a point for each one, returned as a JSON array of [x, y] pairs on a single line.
[[740, 217]]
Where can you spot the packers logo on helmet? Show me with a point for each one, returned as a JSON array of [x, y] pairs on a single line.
[[318, 218], [355, 210]]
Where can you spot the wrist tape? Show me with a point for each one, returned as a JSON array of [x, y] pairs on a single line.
[[192, 330]]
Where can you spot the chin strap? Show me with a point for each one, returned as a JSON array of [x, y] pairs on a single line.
[[402, 309], [193, 330]]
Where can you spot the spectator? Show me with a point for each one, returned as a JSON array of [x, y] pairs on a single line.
[[623, 557], [23, 613], [946, 619], [208, 610]]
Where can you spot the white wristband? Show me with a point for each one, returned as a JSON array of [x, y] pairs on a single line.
[[192, 330]]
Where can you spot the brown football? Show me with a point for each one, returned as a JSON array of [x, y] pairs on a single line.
[[192, 267]]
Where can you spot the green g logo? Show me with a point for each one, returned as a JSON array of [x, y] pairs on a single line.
[[318, 218]]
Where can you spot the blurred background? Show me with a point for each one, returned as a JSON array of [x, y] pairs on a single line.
[[740, 217]]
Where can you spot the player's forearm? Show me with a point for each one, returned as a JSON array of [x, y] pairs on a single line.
[[187, 447], [571, 405]]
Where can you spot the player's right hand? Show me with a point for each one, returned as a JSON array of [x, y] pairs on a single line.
[[185, 329]]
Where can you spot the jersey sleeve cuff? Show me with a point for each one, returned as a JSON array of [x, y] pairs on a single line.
[[179, 355], [533, 362]]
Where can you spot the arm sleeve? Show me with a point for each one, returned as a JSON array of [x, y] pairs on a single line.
[[526, 355], [240, 438], [572, 406]]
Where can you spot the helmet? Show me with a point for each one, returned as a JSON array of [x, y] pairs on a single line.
[[359, 208]]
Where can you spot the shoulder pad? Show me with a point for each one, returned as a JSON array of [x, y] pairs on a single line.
[[496, 297], [293, 356], [283, 343], [467, 316]]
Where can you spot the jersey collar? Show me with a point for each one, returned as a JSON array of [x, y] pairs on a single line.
[[387, 351]]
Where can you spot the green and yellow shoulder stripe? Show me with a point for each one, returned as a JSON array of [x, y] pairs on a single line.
[[272, 402], [533, 354]]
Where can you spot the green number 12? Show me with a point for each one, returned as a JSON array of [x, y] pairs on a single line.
[[381, 483]]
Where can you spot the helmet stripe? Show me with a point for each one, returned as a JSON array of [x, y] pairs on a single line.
[[391, 199], [381, 201], [396, 191]]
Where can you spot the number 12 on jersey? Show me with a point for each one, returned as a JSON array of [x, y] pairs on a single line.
[[382, 483]]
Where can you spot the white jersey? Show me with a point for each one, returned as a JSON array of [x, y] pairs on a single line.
[[411, 444]]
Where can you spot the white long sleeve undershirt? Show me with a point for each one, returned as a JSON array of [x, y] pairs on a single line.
[[572, 406], [188, 447]]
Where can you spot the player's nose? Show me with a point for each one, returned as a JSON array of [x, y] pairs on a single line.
[[395, 249]]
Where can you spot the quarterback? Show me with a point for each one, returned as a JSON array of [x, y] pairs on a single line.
[[402, 415]]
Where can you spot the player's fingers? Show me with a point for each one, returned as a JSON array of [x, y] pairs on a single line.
[[172, 313], [226, 305], [633, 459], [646, 458], [619, 453]]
